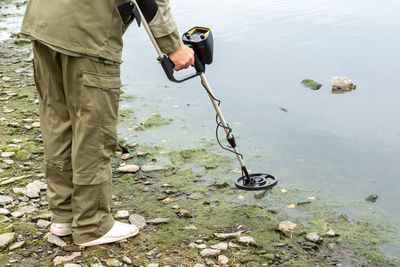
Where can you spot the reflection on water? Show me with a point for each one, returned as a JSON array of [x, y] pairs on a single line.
[[346, 145]]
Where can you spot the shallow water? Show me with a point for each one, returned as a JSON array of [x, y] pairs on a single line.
[[346, 145]]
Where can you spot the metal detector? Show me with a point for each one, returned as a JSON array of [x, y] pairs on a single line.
[[200, 39]]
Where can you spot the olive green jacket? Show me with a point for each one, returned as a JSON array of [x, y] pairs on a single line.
[[92, 27]]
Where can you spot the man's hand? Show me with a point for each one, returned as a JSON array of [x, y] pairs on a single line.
[[182, 58]]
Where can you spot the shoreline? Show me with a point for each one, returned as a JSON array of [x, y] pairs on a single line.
[[175, 185]]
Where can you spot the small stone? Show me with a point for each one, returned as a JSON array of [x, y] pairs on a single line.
[[36, 124], [190, 227], [184, 213], [59, 259], [209, 252], [372, 198], [199, 265], [5, 200], [17, 214], [6, 239], [247, 240], [259, 194], [127, 260], [233, 245], [33, 189], [196, 196], [224, 236], [152, 265], [126, 156], [53, 239], [72, 265], [43, 224], [159, 221], [113, 262], [342, 83], [223, 259], [96, 265], [122, 214], [128, 168], [313, 237], [287, 226], [220, 246], [175, 207], [153, 168], [168, 200], [4, 211], [27, 209], [138, 220], [330, 233], [17, 245], [7, 154]]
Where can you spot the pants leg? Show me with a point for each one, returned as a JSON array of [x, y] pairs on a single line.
[[91, 91], [56, 131]]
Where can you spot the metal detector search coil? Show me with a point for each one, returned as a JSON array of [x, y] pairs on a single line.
[[200, 39]]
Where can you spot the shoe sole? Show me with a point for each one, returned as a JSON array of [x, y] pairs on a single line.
[[107, 240], [60, 231]]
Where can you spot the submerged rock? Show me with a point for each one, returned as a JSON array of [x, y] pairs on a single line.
[[313, 85], [342, 85], [372, 198]]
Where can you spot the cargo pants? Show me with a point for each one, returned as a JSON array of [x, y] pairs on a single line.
[[78, 100]]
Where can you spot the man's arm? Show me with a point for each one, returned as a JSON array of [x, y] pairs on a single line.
[[165, 31]]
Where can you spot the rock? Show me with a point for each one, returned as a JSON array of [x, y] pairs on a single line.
[[158, 221], [152, 265], [5, 200], [33, 189], [4, 211], [168, 200], [17, 245], [17, 214], [233, 245], [220, 246], [127, 260], [199, 265], [96, 265], [72, 265], [184, 213], [43, 224], [27, 209], [330, 233], [247, 240], [313, 237], [6, 239], [43, 216], [53, 239], [342, 83], [209, 252], [138, 220], [259, 194], [190, 227], [224, 236], [287, 226], [113, 262], [59, 259], [128, 168], [372, 198], [126, 156], [223, 259], [7, 154], [122, 214], [196, 196], [153, 168], [11, 180], [313, 85]]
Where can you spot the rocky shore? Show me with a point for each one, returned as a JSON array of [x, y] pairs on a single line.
[[186, 216]]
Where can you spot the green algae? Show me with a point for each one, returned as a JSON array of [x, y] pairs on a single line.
[[155, 120], [313, 85]]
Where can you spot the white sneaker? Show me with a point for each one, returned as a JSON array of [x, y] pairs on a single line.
[[118, 232], [61, 229]]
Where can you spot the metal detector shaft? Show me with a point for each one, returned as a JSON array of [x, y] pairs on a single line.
[[220, 116]]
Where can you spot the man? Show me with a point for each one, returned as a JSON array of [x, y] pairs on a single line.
[[77, 55]]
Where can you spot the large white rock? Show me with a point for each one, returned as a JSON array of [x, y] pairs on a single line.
[[209, 252], [6, 239], [5, 200], [342, 83]]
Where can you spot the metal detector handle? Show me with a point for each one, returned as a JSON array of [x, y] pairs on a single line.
[[168, 67]]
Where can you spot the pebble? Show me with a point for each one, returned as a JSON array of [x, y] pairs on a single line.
[[96, 265], [190, 227], [152, 265], [43, 223], [209, 252], [7, 154], [259, 194], [342, 83], [158, 221], [127, 260], [138, 220], [59, 259], [233, 245], [27, 209], [330, 233], [122, 214], [72, 265], [224, 236], [128, 168], [5, 200], [4, 211], [17, 245], [223, 259], [6, 239], [248, 240], [113, 262], [33, 189], [53, 239], [220, 246], [199, 265], [184, 213], [153, 168], [313, 237], [287, 226], [17, 214]]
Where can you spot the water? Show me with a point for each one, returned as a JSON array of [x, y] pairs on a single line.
[[346, 145]]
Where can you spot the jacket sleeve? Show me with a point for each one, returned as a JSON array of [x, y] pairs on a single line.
[[164, 28]]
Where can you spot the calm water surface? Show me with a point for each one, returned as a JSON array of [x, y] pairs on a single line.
[[346, 145]]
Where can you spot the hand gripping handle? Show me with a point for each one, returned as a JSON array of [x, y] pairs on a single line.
[[168, 67]]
